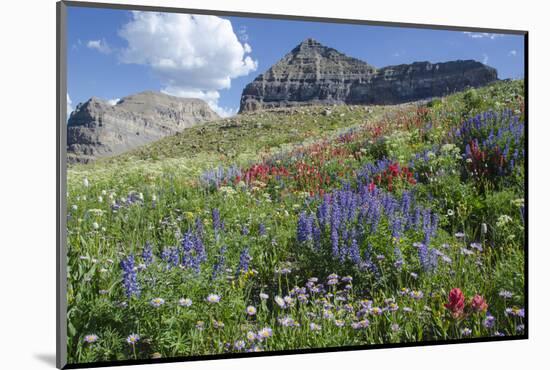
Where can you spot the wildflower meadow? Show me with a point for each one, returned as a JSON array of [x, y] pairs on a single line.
[[304, 228]]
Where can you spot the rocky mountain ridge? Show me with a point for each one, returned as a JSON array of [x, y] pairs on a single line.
[[97, 128], [314, 74]]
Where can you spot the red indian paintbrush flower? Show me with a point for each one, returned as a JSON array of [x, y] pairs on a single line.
[[456, 302], [372, 187], [479, 304]]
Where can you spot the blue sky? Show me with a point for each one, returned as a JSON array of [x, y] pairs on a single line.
[[115, 53]]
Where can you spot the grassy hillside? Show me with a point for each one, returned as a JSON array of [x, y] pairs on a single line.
[[303, 228], [237, 140]]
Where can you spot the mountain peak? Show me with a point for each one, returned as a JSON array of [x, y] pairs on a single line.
[[309, 43], [311, 46], [313, 74]]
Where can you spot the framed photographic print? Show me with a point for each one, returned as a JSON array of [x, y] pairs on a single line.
[[235, 184]]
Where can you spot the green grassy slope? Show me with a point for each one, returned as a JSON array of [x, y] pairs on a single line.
[[153, 195]]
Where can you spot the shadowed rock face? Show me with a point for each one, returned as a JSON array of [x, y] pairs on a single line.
[[315, 74], [98, 129]]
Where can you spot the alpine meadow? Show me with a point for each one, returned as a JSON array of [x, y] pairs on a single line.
[[343, 205], [304, 228]]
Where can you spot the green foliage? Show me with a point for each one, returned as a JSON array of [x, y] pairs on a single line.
[[435, 103], [398, 145], [472, 101]]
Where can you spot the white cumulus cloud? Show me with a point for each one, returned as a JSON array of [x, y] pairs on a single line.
[[100, 45], [485, 59], [243, 33], [513, 53], [483, 35], [193, 55], [113, 101]]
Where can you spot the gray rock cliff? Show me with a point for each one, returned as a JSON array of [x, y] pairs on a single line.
[[98, 129], [315, 74]]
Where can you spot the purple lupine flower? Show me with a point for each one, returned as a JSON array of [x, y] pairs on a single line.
[[220, 264], [134, 198], [261, 230], [310, 224], [147, 254], [244, 260], [354, 253], [375, 214], [335, 216], [344, 250], [396, 227], [129, 277], [170, 256], [216, 220], [423, 256], [367, 261], [165, 254], [200, 252], [174, 259], [433, 255], [303, 231], [215, 177], [199, 227], [323, 212], [188, 259], [316, 231], [334, 242], [398, 257], [416, 218]]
